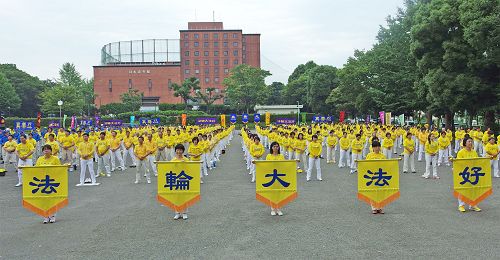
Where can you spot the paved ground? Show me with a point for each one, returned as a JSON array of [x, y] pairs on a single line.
[[122, 220]]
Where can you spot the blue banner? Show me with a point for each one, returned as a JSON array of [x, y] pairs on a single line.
[[285, 121], [244, 118], [256, 118], [206, 121], [114, 122], [149, 121], [54, 124], [86, 123], [233, 118], [24, 125]]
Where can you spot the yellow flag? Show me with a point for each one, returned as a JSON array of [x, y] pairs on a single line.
[[268, 118], [378, 181], [223, 120], [276, 182], [178, 184], [45, 189], [472, 179]]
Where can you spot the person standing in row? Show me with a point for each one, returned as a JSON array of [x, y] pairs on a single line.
[[376, 155], [68, 144], [179, 157], [86, 150], [24, 152], [274, 155], [409, 153], [467, 152], [357, 152], [331, 143], [195, 151], [103, 157], [256, 152], [314, 149], [491, 150], [141, 154], [431, 149], [46, 160]]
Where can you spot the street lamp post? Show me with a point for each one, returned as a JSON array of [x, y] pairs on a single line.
[[60, 103], [298, 113]]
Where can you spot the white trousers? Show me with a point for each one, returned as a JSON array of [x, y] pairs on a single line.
[[354, 164], [330, 154], [66, 156], [129, 151], [10, 158], [104, 162], [161, 155], [303, 158], [151, 159], [27, 162], [117, 156], [83, 168], [387, 153], [409, 159], [443, 155], [421, 151], [344, 158], [494, 167], [142, 167], [428, 160], [314, 162]]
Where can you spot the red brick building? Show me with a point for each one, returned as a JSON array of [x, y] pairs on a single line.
[[205, 50]]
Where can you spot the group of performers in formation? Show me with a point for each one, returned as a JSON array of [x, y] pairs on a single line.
[[122, 147]]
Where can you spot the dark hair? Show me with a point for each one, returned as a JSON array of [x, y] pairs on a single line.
[[85, 134], [375, 144], [358, 135], [271, 147], [180, 146], [314, 136], [23, 135], [464, 142], [103, 133], [47, 146], [256, 137], [195, 138], [52, 135], [141, 137]]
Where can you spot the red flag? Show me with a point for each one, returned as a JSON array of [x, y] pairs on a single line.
[[341, 117], [39, 120]]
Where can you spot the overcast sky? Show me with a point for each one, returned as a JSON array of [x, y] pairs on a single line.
[[39, 36]]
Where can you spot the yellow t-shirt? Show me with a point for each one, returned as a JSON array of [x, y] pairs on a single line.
[[491, 149], [102, 145], [141, 150], [86, 149], [256, 150], [432, 147], [331, 140], [357, 146], [344, 143], [67, 140], [387, 143], [184, 159], [278, 157], [408, 144], [375, 156], [195, 149], [55, 147], [315, 149], [10, 146], [25, 149], [115, 143], [463, 154], [52, 160]]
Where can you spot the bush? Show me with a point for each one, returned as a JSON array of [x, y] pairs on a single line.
[[113, 108]]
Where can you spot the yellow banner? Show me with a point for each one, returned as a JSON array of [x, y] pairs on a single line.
[[388, 116], [472, 179], [276, 182], [268, 118], [178, 184], [223, 120], [378, 181], [45, 189]]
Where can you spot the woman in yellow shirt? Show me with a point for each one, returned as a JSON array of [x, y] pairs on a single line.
[[274, 155], [444, 149], [300, 155], [315, 149], [195, 151], [431, 149], [345, 144], [357, 152], [141, 154], [387, 145], [409, 153], [48, 159], [24, 152], [467, 152], [256, 151], [179, 157], [86, 151], [331, 143], [376, 155], [491, 150]]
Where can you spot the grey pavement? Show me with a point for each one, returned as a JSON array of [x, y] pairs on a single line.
[[123, 220]]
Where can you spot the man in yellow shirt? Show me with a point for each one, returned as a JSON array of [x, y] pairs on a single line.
[[24, 151], [256, 152], [103, 157], [9, 149], [128, 144], [345, 144], [152, 148], [331, 143], [357, 151], [491, 150], [67, 143], [408, 153], [86, 151], [314, 149], [141, 153], [116, 154], [161, 143]]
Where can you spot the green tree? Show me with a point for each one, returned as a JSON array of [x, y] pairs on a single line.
[[274, 94], [27, 88], [186, 90], [322, 79], [71, 97], [301, 70], [246, 87], [132, 100], [9, 100], [209, 97], [69, 76], [296, 90]]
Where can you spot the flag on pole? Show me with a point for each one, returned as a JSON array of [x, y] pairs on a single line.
[[378, 181], [472, 179], [178, 184], [381, 116], [276, 182]]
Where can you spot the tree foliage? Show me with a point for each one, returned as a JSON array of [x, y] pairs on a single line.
[[9, 100], [208, 97], [186, 90]]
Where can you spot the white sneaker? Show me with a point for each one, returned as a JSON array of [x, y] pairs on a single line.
[[279, 212], [156, 174], [19, 184], [253, 179], [87, 180], [52, 219], [45, 220], [149, 181], [184, 216], [273, 213], [136, 181], [177, 216], [112, 170], [319, 179], [308, 179], [71, 169], [109, 175], [201, 181], [79, 184]]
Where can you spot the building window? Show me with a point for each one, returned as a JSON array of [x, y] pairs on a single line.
[[205, 53], [207, 80], [186, 36], [186, 62], [244, 56], [150, 84], [197, 71], [196, 53], [207, 71], [216, 36], [235, 35], [186, 53], [196, 36], [216, 53], [216, 90], [205, 36], [235, 44], [205, 44], [186, 44], [216, 80], [129, 83], [226, 53], [110, 85], [225, 44], [186, 71], [226, 71], [216, 62], [196, 44], [169, 83], [205, 62], [235, 53], [235, 62], [216, 70], [226, 62], [225, 36], [216, 44], [196, 62]]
